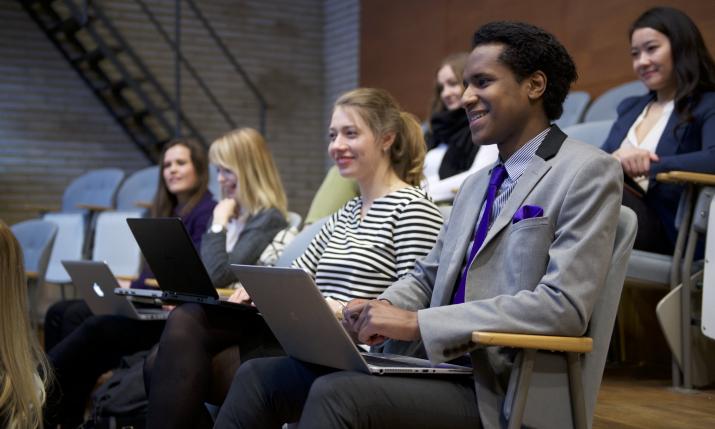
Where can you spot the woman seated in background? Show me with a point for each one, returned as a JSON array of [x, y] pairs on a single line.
[[23, 367], [183, 192], [451, 156], [253, 207], [369, 243], [670, 128]]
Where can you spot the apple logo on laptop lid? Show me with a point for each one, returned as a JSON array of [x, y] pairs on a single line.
[[98, 290]]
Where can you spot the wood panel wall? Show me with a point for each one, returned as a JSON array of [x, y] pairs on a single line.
[[403, 41]]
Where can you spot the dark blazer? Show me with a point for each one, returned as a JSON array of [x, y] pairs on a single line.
[[691, 148], [257, 234]]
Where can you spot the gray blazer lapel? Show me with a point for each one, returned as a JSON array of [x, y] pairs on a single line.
[[534, 172]]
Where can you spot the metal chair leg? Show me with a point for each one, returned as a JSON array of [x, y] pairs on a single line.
[[578, 403], [525, 371]]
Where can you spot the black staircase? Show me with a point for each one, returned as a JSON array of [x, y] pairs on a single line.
[[105, 61]]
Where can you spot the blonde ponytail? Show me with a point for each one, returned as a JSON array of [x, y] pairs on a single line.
[[383, 116]]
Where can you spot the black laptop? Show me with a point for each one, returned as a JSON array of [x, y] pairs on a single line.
[[171, 255]]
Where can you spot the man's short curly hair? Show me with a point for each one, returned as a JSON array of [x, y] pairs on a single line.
[[527, 49]]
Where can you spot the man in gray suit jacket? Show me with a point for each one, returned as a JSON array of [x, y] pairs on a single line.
[[548, 231]]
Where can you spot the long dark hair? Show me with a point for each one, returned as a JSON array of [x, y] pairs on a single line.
[[693, 66], [164, 201]]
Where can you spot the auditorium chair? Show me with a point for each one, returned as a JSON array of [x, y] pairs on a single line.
[[574, 108], [604, 106], [593, 133], [115, 244], [68, 245], [138, 190], [679, 273], [36, 238], [558, 378]]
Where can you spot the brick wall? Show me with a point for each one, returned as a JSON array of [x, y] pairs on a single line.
[[52, 129], [277, 42], [342, 50]]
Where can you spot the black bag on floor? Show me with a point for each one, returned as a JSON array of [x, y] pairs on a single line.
[[121, 402]]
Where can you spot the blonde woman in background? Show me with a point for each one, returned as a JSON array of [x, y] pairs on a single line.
[[23, 367], [251, 212]]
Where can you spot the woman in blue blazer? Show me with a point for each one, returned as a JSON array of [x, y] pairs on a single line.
[[670, 128]]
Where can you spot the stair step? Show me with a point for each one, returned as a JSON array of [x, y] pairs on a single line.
[[117, 86], [95, 55]]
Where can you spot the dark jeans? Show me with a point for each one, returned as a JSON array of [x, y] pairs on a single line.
[[269, 392], [199, 352], [91, 350]]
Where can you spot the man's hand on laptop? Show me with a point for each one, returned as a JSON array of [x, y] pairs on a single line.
[[240, 296], [374, 321]]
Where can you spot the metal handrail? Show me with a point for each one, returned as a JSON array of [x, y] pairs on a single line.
[[194, 73], [237, 67], [189, 67], [99, 13]]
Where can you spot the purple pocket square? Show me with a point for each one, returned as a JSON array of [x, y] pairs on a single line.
[[527, 212]]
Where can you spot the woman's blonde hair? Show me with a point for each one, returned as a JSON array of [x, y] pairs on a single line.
[[383, 115], [24, 371], [245, 153]]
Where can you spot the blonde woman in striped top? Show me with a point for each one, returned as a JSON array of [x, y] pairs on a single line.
[[375, 238]]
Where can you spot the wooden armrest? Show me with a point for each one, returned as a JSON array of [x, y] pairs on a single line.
[[143, 204], [686, 177], [540, 342], [225, 292], [151, 282], [94, 208], [32, 275], [125, 278]]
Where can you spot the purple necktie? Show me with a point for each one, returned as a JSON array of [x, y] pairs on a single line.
[[495, 181]]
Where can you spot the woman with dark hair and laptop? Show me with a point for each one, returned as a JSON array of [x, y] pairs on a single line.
[[373, 240], [75, 339], [183, 191]]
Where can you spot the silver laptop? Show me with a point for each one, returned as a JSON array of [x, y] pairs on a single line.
[[306, 327], [96, 283]]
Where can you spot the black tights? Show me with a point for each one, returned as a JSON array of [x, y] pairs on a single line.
[[200, 349]]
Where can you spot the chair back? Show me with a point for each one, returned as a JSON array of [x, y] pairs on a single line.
[[548, 402], [574, 108], [36, 238], [707, 322], [296, 247], [68, 244], [140, 187], [604, 106], [96, 187], [445, 211], [603, 318], [115, 244], [294, 219], [593, 133]]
